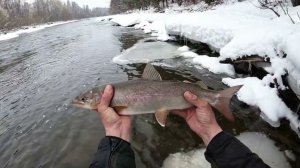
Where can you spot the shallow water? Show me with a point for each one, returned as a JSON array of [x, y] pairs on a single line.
[[40, 73]]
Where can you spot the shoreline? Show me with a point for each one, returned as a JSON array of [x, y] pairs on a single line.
[[238, 32], [14, 33]]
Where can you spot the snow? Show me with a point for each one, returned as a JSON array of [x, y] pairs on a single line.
[[256, 142], [256, 92], [292, 51], [17, 33], [124, 20], [192, 159], [290, 155], [183, 48], [144, 52], [235, 30], [188, 54], [213, 65], [210, 63]]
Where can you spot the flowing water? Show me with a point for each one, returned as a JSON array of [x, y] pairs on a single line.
[[40, 74]]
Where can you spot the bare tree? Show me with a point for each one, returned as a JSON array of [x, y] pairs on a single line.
[[269, 4], [17, 13], [273, 5]]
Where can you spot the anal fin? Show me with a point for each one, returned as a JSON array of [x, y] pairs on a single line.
[[161, 117]]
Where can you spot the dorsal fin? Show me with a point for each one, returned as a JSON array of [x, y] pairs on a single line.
[[150, 73], [202, 84]]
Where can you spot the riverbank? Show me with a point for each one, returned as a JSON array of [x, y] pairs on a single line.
[[237, 31], [29, 29]]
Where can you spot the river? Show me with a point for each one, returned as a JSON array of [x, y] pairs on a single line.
[[40, 74]]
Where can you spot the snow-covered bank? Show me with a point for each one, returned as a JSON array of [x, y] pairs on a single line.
[[236, 30], [257, 142], [30, 29], [257, 92], [142, 52]]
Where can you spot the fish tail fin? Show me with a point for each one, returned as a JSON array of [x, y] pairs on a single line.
[[222, 103]]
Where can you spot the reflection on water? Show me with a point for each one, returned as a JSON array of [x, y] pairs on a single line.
[[41, 73]]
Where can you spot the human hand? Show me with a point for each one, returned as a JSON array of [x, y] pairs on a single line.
[[200, 118], [114, 125]]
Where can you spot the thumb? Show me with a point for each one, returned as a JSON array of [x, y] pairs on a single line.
[[106, 98], [193, 99], [107, 114]]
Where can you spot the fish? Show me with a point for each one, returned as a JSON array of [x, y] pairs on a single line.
[[151, 94]]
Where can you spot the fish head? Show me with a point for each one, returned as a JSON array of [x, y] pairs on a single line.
[[90, 99]]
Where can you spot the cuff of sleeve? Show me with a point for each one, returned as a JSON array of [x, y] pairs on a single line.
[[218, 141], [217, 144], [111, 142]]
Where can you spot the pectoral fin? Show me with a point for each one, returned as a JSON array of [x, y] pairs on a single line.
[[161, 117], [150, 73]]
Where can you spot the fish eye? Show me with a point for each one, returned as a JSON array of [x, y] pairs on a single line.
[[83, 99]]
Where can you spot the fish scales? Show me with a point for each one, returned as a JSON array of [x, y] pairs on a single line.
[[149, 96], [152, 95]]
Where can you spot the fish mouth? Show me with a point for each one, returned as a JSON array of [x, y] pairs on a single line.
[[81, 104]]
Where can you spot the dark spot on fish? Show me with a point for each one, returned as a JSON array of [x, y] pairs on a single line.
[[83, 99]]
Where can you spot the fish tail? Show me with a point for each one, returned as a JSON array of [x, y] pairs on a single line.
[[222, 103]]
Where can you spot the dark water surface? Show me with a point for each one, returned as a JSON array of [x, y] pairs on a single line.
[[40, 73]]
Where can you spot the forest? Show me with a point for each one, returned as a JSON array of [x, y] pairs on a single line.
[[17, 13], [119, 6]]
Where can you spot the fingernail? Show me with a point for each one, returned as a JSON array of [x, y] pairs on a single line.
[[107, 88], [190, 95]]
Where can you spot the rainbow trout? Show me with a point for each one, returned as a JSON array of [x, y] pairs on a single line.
[[152, 95]]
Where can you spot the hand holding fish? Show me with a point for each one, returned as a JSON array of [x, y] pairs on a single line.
[[114, 125], [152, 95], [200, 118]]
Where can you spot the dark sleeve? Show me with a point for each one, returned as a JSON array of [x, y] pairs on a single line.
[[225, 151], [113, 152]]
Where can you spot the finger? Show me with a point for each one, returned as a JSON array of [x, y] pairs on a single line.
[[193, 99], [109, 115], [106, 98]]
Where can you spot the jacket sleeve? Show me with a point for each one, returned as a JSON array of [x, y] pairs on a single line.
[[225, 151], [113, 152]]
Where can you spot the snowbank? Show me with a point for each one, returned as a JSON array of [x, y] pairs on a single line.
[[144, 52], [213, 64], [292, 50], [188, 54], [183, 48], [257, 142], [17, 33], [256, 92], [192, 159], [236, 30]]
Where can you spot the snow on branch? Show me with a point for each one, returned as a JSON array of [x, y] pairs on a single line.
[[273, 5]]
